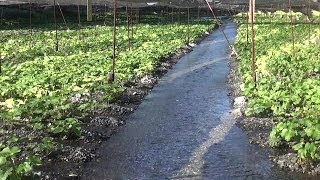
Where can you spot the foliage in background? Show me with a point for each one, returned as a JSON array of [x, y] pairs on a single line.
[[288, 80]]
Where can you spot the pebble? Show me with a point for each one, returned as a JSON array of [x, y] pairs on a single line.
[[239, 102]]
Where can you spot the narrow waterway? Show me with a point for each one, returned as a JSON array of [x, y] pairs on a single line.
[[184, 129]]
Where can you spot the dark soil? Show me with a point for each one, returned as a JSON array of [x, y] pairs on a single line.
[[69, 158], [258, 130]]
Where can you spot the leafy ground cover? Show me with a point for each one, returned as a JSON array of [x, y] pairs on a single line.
[[46, 92], [288, 79]]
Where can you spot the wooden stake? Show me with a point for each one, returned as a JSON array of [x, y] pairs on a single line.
[[198, 14], [114, 39], [248, 25], [30, 17], [188, 30], [89, 10], [19, 17], [105, 15], [309, 17], [253, 64], [179, 13], [137, 17], [292, 27], [131, 20], [30, 22], [128, 25], [1, 15], [79, 22], [172, 18]]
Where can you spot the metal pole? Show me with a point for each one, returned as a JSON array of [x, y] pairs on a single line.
[[253, 65], [55, 25], [64, 19]]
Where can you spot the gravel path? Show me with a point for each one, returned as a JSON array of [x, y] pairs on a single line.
[[185, 128]]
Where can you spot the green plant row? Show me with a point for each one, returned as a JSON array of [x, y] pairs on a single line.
[[288, 78], [44, 91]]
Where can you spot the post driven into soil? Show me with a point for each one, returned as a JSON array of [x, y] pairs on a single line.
[[128, 26], [114, 39], [292, 26], [188, 30], [79, 22], [55, 26], [253, 65]]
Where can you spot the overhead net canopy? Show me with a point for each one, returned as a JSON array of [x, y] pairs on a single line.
[[140, 3], [181, 3]]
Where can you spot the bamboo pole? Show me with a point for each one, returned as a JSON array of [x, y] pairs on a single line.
[[252, 8]]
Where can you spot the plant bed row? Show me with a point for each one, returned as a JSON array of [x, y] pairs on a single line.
[[282, 108]]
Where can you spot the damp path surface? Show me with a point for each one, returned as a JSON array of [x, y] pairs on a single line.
[[184, 129]]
